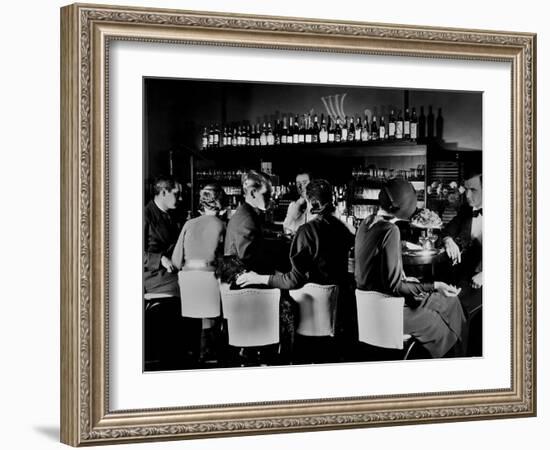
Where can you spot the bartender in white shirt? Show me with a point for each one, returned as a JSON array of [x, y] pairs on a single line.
[[298, 211]]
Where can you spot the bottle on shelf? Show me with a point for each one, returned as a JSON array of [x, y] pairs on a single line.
[[407, 125], [284, 132], [211, 136], [270, 136], [315, 130], [399, 126], [234, 138], [421, 124], [337, 131], [331, 131], [302, 130], [295, 131], [351, 130], [323, 132], [414, 125], [365, 133], [374, 129], [277, 133], [216, 141], [391, 126], [248, 135], [204, 140], [344, 135], [358, 128], [382, 129], [263, 135], [308, 137], [430, 122]]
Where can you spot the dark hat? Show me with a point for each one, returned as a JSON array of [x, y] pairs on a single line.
[[399, 198]]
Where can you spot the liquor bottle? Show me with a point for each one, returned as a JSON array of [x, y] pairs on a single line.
[[302, 130], [382, 129], [248, 136], [223, 137], [414, 125], [407, 125], [374, 129], [439, 125], [234, 138], [241, 137], [278, 132], [391, 126], [308, 137], [263, 135], [315, 130], [344, 136], [216, 142], [351, 130], [284, 133], [296, 131], [337, 131], [211, 136], [270, 135], [430, 122], [204, 140], [323, 132], [331, 131], [365, 133], [358, 128], [399, 126], [421, 124]]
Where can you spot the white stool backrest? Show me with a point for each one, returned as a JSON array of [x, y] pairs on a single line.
[[252, 316], [380, 319], [200, 294], [317, 309], [156, 296]]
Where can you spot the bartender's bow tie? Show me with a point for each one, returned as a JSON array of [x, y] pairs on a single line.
[[477, 212]]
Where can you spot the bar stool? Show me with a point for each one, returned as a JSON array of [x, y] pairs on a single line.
[[162, 331], [380, 321], [200, 299], [317, 316], [252, 323]]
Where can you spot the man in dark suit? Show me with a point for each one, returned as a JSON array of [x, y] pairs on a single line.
[[244, 236], [160, 233], [463, 242]]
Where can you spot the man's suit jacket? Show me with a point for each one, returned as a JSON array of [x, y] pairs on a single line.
[[460, 229], [244, 239]]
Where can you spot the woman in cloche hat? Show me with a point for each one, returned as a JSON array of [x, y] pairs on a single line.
[[432, 313]]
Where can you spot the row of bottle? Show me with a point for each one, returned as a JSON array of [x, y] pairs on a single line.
[[306, 129], [364, 174]]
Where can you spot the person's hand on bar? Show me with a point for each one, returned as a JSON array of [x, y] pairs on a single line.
[[248, 278], [452, 249]]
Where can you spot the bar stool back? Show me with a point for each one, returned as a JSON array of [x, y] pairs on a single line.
[[200, 294], [252, 316], [380, 321], [317, 309]]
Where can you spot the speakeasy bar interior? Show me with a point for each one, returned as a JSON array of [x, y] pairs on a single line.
[[312, 275]]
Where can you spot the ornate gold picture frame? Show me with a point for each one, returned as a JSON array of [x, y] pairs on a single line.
[[87, 32]]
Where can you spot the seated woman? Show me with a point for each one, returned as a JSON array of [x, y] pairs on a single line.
[[319, 250], [200, 243], [432, 314], [318, 254]]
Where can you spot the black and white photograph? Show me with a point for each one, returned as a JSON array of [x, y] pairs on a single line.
[[291, 224]]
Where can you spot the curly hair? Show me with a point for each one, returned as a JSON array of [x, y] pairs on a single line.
[[212, 197]]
